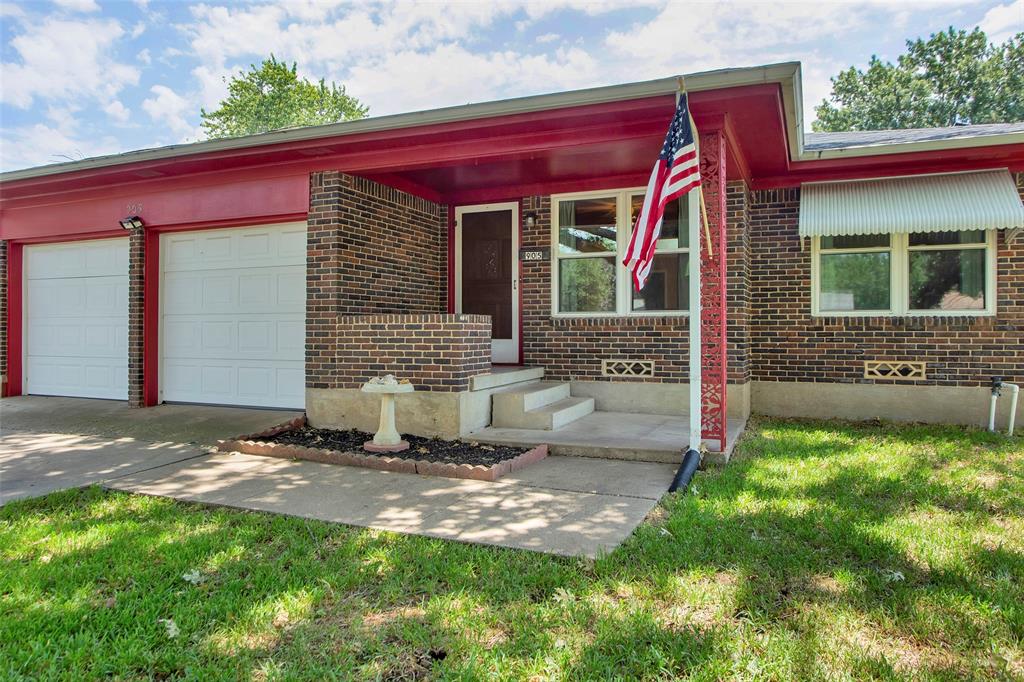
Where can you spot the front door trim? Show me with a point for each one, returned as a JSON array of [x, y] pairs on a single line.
[[503, 351]]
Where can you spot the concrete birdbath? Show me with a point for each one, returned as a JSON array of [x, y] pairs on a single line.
[[387, 438]]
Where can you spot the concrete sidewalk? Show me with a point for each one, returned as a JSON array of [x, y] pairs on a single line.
[[562, 505], [570, 506]]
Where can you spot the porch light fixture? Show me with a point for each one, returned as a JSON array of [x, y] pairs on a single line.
[[132, 222], [531, 218]]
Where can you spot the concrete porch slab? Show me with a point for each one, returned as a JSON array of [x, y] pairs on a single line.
[[617, 435], [567, 506]]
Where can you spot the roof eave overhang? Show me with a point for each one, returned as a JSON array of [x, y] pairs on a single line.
[[886, 149], [787, 74]]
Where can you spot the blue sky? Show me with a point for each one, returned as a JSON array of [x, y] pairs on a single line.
[[81, 78]]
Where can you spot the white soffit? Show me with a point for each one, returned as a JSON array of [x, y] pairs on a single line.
[[985, 200]]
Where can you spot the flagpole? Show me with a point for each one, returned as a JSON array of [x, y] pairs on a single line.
[[691, 459]]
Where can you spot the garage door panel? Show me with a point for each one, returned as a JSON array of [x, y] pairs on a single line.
[[253, 383], [78, 377], [240, 248], [76, 326], [234, 316], [77, 259]]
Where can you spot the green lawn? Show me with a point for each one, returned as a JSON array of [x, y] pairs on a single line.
[[824, 551]]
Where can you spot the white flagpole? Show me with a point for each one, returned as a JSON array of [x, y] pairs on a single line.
[[691, 459]]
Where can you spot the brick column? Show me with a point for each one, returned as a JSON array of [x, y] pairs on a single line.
[[136, 331], [323, 277], [371, 249]]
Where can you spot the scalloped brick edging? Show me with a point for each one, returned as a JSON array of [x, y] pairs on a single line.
[[477, 472]]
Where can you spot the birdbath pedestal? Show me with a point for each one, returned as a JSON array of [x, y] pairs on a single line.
[[387, 438]]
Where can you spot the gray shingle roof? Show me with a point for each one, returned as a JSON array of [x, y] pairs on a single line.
[[821, 141]]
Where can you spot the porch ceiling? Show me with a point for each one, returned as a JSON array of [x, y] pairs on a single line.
[[615, 146]]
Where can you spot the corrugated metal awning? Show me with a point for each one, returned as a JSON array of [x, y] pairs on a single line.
[[984, 200]]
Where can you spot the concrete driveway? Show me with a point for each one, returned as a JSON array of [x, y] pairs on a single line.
[[50, 443], [572, 506]]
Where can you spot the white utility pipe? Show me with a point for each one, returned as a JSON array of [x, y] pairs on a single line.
[[1015, 390]]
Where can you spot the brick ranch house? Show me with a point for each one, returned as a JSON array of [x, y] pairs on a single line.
[[476, 249]]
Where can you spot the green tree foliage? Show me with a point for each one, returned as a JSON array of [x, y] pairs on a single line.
[[271, 96], [953, 78]]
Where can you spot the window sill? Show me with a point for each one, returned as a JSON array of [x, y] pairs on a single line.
[[916, 315], [619, 317]]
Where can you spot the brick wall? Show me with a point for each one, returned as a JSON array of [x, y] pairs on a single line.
[[437, 352], [737, 297], [371, 249], [3, 315], [136, 333], [787, 344], [573, 348]]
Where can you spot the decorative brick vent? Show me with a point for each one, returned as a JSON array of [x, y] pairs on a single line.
[[627, 368], [896, 370], [248, 445]]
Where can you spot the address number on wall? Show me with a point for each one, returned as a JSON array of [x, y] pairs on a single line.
[[534, 255]]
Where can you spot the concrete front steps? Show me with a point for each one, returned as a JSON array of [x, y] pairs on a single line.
[[538, 405]]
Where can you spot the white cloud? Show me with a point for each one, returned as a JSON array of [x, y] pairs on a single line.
[[63, 59], [138, 29], [1003, 21], [38, 144], [78, 5], [118, 111], [169, 108], [449, 75], [547, 38], [143, 57]]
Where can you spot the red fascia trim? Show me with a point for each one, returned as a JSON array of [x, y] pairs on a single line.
[[451, 258], [15, 312], [81, 237], [229, 223], [915, 163], [151, 320]]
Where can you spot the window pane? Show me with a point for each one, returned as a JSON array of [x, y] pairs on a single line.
[[939, 238], [675, 233], [947, 280], [854, 281], [855, 241], [587, 226], [586, 285], [667, 286]]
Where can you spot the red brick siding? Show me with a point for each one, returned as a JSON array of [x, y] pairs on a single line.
[[371, 249], [435, 352], [788, 344], [573, 348], [136, 333], [737, 296]]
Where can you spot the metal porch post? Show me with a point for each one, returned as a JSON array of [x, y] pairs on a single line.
[[714, 359]]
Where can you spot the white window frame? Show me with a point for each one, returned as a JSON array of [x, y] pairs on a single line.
[[899, 250], [623, 228]]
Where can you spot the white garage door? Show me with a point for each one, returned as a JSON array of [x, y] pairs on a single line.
[[233, 310], [76, 308]]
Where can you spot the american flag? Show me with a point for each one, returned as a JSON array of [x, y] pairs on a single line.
[[676, 172]]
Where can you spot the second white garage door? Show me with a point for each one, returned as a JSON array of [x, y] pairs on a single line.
[[233, 306]]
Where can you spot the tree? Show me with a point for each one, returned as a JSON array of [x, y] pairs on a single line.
[[272, 96], [953, 78]]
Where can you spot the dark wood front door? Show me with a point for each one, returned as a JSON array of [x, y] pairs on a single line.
[[488, 277]]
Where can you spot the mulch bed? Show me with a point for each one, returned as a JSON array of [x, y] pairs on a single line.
[[430, 449], [426, 456]]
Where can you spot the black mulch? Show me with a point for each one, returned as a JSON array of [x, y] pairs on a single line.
[[429, 449]]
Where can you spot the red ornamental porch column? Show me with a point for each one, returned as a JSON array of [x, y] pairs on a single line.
[[713, 284]]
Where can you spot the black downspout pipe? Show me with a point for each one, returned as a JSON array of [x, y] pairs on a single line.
[[689, 466]]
